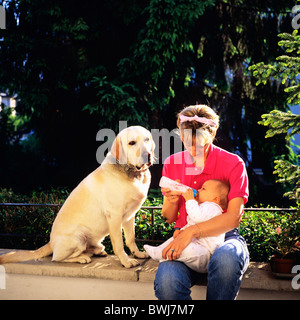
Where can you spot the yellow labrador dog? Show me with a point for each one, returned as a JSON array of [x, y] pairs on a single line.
[[103, 203]]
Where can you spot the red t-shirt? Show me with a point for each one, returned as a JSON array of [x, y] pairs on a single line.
[[220, 164]]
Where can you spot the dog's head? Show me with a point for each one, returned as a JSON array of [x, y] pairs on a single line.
[[134, 147]]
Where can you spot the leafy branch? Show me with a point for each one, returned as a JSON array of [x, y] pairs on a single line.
[[286, 69]]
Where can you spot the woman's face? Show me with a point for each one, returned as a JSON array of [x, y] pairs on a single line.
[[196, 150], [194, 144]]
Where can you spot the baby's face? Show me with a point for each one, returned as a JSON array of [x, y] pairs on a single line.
[[208, 192]]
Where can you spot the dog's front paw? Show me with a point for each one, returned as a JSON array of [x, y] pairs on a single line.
[[84, 259], [130, 263], [141, 255]]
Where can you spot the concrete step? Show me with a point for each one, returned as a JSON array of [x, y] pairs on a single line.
[[258, 275]]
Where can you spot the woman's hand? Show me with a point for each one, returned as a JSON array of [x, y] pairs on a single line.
[[183, 239], [171, 196], [170, 204], [176, 233]]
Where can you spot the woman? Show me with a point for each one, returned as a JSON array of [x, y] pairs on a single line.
[[200, 162]]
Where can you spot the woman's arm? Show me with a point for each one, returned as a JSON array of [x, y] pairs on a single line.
[[213, 227], [170, 205]]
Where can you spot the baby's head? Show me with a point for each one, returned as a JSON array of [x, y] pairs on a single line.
[[214, 191]]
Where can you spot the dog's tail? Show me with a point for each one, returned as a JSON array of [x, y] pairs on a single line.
[[25, 255]]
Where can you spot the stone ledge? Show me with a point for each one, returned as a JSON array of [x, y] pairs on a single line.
[[258, 275], [108, 268]]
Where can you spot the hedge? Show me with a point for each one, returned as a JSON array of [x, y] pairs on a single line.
[[27, 222]]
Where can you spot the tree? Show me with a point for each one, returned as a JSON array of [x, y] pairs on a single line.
[[160, 54], [286, 69], [79, 66], [234, 36]]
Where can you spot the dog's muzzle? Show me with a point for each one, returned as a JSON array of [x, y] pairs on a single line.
[[147, 158], [147, 161]]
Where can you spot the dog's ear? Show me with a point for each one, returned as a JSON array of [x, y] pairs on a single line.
[[117, 149]]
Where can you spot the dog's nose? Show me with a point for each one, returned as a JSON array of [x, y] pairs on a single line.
[[146, 156]]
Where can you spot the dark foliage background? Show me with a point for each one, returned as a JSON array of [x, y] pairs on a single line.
[[77, 67]]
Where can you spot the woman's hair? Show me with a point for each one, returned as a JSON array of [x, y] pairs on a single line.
[[200, 110]]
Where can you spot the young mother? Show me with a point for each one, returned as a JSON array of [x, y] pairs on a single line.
[[200, 162]]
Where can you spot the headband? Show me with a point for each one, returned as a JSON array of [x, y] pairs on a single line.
[[198, 119]]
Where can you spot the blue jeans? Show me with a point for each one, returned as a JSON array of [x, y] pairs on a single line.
[[225, 270]]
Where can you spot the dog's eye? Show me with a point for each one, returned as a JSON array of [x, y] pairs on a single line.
[[147, 139], [132, 143]]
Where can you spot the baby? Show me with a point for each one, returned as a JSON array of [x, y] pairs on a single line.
[[212, 199]]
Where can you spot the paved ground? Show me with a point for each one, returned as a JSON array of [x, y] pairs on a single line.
[[33, 287], [105, 279]]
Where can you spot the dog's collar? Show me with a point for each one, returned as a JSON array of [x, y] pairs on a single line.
[[131, 170]]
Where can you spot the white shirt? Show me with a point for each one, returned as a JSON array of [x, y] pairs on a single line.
[[202, 212]]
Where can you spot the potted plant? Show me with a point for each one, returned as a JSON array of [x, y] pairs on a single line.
[[285, 241]]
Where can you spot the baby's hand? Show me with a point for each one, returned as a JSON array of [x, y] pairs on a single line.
[[188, 195]]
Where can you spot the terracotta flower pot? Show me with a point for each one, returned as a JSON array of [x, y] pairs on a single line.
[[282, 265]]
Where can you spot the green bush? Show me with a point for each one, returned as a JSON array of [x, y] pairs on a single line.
[[31, 226], [148, 229], [257, 227], [259, 230]]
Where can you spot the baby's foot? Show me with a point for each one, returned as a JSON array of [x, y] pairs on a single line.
[[154, 252]]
